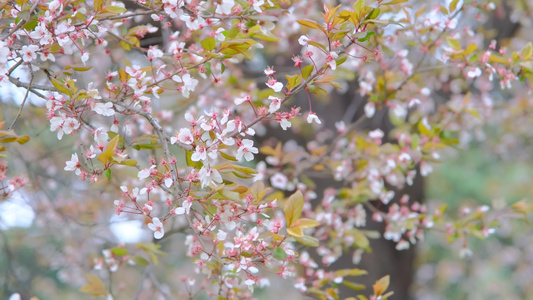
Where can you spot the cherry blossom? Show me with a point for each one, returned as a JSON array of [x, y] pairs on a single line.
[[246, 150], [313, 117], [157, 227], [73, 164], [28, 52]]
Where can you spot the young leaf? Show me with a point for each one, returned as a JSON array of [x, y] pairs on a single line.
[[293, 208], [306, 71], [307, 240], [311, 24], [279, 254], [119, 251], [61, 87], [208, 43], [295, 231], [95, 286], [306, 223], [381, 285], [106, 156]]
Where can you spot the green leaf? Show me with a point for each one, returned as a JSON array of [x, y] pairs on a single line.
[[107, 173], [279, 254], [31, 24], [141, 261], [373, 14], [293, 208], [61, 87], [293, 81], [307, 240], [208, 43], [115, 9], [119, 251], [306, 71], [358, 6], [367, 36]]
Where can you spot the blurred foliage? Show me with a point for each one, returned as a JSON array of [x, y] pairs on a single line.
[[501, 266]]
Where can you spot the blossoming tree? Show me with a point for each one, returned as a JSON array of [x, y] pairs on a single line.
[[213, 123]]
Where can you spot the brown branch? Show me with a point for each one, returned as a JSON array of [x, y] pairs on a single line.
[[22, 22]]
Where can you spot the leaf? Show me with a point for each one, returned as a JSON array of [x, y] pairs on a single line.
[[106, 156], [81, 68], [395, 2], [141, 261], [293, 208], [306, 223], [61, 87], [307, 240], [95, 286], [10, 139], [23, 139], [152, 250], [115, 9], [455, 44], [351, 272], [279, 254], [98, 5], [293, 81], [527, 52], [367, 36], [373, 14], [453, 5], [208, 43], [318, 45], [295, 231], [306, 71], [119, 251], [358, 6], [227, 156], [354, 286], [258, 190], [107, 173], [127, 162], [360, 240], [311, 24], [381, 285], [470, 48]]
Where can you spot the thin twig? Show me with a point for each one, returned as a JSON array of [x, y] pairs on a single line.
[[140, 286], [22, 22], [158, 285], [23, 102]]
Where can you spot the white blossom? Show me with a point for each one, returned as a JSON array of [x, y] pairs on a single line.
[[157, 227]]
